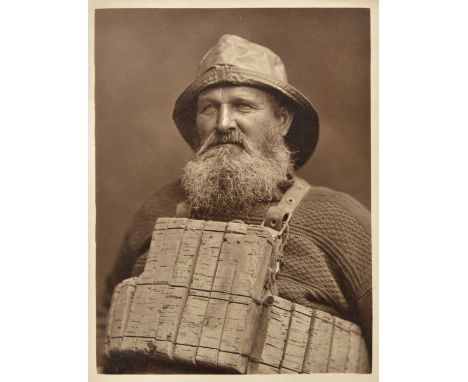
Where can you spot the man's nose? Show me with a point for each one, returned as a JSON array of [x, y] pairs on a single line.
[[226, 120]]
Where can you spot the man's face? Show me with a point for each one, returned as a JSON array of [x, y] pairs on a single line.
[[242, 159], [247, 110]]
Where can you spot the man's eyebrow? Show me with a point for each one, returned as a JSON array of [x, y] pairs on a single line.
[[205, 97], [233, 98], [245, 94], [246, 97]]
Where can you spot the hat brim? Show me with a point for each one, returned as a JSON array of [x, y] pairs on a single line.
[[303, 134]]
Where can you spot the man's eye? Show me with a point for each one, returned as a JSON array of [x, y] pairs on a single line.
[[208, 108], [243, 106]]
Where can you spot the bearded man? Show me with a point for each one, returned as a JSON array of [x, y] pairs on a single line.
[[250, 130]]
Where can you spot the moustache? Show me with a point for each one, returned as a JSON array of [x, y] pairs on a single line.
[[215, 139]]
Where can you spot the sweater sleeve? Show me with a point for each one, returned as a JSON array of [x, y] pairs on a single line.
[[342, 228], [352, 252], [137, 239]]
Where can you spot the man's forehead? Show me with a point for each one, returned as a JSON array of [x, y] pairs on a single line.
[[220, 92]]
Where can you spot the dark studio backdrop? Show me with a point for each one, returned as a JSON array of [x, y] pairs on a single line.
[[144, 58]]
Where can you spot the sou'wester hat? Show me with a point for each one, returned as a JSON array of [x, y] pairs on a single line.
[[234, 60]]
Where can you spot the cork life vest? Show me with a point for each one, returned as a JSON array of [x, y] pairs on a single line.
[[208, 300]]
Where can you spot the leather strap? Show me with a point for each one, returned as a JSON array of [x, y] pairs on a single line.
[[278, 216]]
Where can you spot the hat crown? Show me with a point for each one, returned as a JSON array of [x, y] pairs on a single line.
[[235, 51]]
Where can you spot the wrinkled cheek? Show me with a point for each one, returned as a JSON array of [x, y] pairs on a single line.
[[203, 133], [204, 126]]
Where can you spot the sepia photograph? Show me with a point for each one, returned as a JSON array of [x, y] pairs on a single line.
[[234, 171], [222, 190]]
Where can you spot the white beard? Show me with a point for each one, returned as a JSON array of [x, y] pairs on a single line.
[[229, 175]]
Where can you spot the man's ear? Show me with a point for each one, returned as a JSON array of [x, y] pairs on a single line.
[[285, 118]]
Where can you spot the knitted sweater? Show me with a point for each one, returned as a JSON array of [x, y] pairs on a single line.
[[326, 262]]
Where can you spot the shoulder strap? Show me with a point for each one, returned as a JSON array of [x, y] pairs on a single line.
[[278, 216]]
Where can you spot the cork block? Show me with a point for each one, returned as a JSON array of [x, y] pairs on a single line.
[[231, 251], [199, 302], [207, 260], [352, 358], [260, 368], [276, 337], [320, 342], [187, 255], [213, 323], [251, 270], [339, 346], [167, 255], [296, 345], [169, 319], [188, 336]]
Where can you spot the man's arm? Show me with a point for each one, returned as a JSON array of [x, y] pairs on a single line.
[[341, 227], [135, 243]]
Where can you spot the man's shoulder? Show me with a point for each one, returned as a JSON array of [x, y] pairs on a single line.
[[323, 202], [162, 202], [169, 191], [320, 193]]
